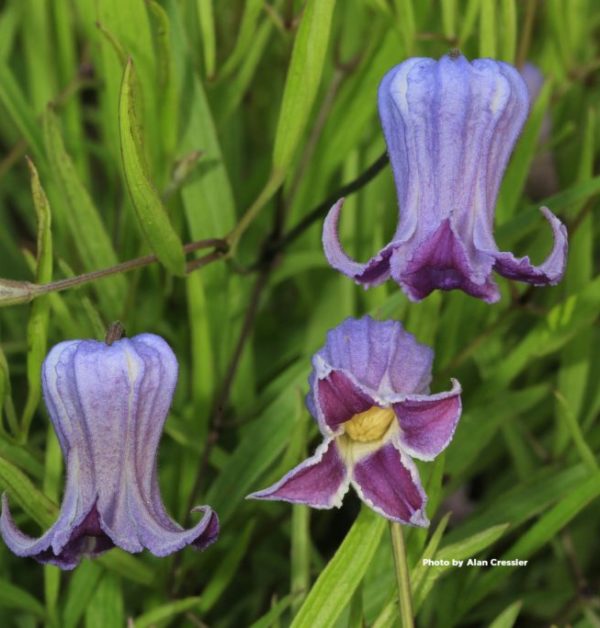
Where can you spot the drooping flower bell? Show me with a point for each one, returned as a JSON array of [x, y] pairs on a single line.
[[450, 127], [369, 392], [108, 404]]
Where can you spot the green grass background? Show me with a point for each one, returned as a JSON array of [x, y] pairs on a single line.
[[279, 97]]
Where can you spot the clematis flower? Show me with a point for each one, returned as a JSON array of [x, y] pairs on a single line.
[[369, 392], [450, 127], [108, 404]]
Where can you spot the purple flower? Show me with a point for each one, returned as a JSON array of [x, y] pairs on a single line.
[[369, 394], [108, 405], [450, 127]]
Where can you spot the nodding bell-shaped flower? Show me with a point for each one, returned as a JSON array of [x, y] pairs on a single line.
[[108, 404], [369, 392], [450, 127]]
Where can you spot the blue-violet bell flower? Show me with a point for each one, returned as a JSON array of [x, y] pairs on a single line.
[[450, 127], [369, 393], [108, 404]]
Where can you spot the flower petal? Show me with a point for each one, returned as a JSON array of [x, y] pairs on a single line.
[[441, 262], [427, 424], [321, 481], [550, 272], [339, 398], [381, 356], [63, 544], [388, 482], [371, 273]]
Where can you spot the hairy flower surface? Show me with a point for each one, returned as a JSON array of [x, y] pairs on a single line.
[[369, 394], [108, 404], [450, 127]]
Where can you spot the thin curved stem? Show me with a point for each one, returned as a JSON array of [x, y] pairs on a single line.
[[321, 210]]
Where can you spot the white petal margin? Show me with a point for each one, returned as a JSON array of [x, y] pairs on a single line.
[[428, 422], [416, 516], [321, 481]]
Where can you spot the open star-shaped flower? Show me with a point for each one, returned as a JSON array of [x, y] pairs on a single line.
[[369, 392], [108, 405], [450, 127]]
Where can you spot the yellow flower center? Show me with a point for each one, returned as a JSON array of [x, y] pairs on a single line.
[[369, 425]]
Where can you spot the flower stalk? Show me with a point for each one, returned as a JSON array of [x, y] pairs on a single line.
[[16, 292], [402, 575]]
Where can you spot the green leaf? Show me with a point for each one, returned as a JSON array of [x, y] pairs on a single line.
[[207, 30], [82, 218], [246, 37], [20, 456], [80, 591], [23, 492], [260, 444], [522, 502], [126, 565], [303, 79], [577, 356], [481, 422], [37, 328], [487, 29], [17, 599], [522, 158], [457, 551], [585, 452], [106, 605], [508, 616], [270, 618], [448, 8], [406, 23], [418, 572], [508, 33], [222, 576], [201, 349], [52, 576], [19, 110], [166, 612], [470, 16], [538, 535], [150, 212], [337, 582]]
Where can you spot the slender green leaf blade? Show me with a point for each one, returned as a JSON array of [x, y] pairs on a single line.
[[303, 79], [150, 211], [338, 581]]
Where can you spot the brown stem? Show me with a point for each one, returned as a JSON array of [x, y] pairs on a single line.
[[319, 212], [525, 41], [115, 332]]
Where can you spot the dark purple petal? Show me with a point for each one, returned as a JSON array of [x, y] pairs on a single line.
[[551, 271], [388, 482], [320, 481], [380, 357], [427, 424], [63, 544], [441, 262], [339, 399], [371, 273]]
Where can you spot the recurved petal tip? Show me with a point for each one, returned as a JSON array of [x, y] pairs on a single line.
[[551, 271], [372, 273]]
